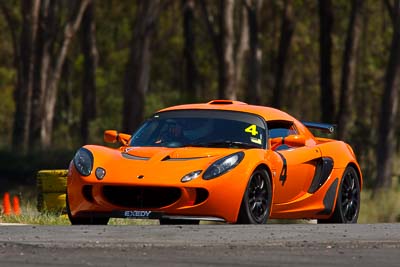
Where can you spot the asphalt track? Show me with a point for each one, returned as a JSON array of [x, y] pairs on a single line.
[[201, 245]]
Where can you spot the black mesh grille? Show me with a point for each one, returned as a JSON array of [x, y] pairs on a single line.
[[141, 197]]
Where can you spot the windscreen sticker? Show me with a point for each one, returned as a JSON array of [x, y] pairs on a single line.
[[256, 140], [252, 129]]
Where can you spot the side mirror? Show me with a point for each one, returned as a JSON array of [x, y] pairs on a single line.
[[295, 140], [112, 136], [275, 142]]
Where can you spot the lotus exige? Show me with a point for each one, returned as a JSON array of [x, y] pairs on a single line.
[[219, 161]]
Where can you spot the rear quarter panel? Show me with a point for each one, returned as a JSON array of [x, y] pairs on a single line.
[[341, 153]]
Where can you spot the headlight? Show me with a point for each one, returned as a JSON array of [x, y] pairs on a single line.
[[83, 161], [223, 165]]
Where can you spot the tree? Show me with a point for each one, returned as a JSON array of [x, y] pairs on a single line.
[[287, 29], [24, 49], [389, 105], [349, 68], [137, 71], [252, 8], [90, 53], [242, 55], [228, 55], [43, 59], [39, 69], [228, 81], [325, 42], [52, 76], [190, 82]]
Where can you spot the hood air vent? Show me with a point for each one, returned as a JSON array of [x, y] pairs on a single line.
[[168, 158], [129, 156], [225, 102]]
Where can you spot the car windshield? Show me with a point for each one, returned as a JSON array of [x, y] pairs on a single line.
[[201, 128]]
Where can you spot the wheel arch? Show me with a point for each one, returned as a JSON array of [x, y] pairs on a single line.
[[359, 174], [266, 167], [337, 216], [268, 170]]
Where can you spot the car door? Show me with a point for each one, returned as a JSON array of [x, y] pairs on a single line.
[[298, 164]]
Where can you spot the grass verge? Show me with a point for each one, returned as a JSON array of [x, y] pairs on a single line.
[[383, 207]]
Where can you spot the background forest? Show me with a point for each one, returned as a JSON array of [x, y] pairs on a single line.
[[71, 69]]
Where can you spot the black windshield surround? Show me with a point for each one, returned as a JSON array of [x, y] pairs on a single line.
[[202, 128]]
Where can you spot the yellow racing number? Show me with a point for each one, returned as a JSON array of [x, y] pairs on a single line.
[[251, 129]]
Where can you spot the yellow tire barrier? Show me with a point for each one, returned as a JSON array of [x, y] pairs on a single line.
[[51, 184], [51, 202], [53, 173], [51, 189]]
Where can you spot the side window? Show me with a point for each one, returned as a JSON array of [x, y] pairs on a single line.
[[281, 128]]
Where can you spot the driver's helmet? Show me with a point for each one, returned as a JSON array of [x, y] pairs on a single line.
[[174, 129], [172, 132]]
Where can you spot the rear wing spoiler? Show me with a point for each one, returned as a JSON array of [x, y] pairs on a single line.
[[325, 127]]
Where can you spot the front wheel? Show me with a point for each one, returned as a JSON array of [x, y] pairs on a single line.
[[256, 203], [348, 199]]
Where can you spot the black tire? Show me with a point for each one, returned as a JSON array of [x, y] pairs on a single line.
[[177, 221], [84, 220], [256, 203], [348, 199]]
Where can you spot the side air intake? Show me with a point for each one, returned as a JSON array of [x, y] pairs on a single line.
[[322, 171]]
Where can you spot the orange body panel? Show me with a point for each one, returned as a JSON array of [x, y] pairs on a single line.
[[221, 197]]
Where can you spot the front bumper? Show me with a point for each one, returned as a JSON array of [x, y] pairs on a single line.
[[198, 200]]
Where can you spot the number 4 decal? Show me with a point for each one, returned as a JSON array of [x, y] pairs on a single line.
[[251, 129]]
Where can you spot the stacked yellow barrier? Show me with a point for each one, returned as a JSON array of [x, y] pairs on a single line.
[[51, 190]]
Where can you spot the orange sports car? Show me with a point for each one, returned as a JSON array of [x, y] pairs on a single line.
[[223, 161]]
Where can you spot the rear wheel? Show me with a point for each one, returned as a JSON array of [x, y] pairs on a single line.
[[348, 199], [84, 220], [256, 203]]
